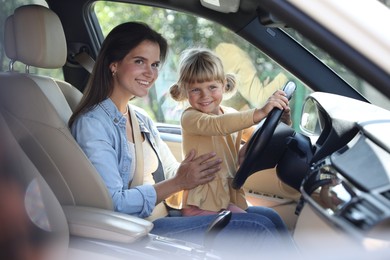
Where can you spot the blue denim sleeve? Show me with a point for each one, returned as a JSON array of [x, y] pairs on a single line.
[[100, 143]]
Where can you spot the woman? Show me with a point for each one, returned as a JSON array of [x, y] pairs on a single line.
[[126, 67]]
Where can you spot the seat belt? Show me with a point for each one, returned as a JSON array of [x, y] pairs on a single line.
[[85, 60], [138, 178], [160, 210]]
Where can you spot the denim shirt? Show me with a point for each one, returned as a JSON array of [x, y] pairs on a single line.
[[101, 134]]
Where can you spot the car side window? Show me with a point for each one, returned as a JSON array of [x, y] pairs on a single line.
[[258, 76]]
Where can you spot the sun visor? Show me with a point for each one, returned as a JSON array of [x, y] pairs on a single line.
[[223, 6]]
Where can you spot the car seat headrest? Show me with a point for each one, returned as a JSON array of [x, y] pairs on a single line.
[[9, 38], [38, 37]]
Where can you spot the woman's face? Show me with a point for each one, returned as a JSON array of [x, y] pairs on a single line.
[[206, 96], [138, 70]]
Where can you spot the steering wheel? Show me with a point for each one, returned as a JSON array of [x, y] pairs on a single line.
[[259, 141]]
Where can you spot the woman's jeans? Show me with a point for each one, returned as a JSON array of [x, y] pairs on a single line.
[[259, 232]]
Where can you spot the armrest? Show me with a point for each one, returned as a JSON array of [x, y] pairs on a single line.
[[105, 224]]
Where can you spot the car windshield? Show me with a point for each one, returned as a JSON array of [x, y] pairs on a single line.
[[360, 85], [254, 68]]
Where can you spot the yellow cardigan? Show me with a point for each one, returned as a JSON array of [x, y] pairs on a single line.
[[221, 134]]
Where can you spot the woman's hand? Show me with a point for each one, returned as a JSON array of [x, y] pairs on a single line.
[[194, 171]]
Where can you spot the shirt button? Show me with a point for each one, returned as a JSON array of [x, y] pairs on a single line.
[[116, 120]]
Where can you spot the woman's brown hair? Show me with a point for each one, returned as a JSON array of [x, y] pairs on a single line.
[[118, 43]]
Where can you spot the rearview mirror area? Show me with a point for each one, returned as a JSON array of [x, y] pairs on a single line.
[[311, 122], [226, 6]]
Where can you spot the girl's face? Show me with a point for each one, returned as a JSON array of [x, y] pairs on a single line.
[[206, 97], [138, 70]]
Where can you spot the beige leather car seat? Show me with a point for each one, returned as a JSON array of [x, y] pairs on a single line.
[[37, 111], [49, 224]]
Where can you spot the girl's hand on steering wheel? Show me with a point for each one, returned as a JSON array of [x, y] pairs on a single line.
[[277, 100]]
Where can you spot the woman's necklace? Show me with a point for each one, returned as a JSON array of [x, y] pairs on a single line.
[[127, 111]]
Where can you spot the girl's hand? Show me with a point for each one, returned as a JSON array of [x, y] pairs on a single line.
[[286, 116], [278, 100]]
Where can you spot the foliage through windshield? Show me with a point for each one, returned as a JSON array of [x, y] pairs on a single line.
[[183, 31]]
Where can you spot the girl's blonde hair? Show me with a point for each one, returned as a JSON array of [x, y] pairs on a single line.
[[198, 65]]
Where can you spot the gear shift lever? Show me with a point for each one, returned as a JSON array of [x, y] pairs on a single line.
[[216, 226]]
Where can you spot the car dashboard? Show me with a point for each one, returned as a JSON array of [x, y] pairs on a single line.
[[348, 183]]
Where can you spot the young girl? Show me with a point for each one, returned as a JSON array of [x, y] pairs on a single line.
[[208, 126]]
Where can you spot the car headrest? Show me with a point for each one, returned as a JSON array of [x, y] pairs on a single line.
[[37, 36], [9, 38]]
